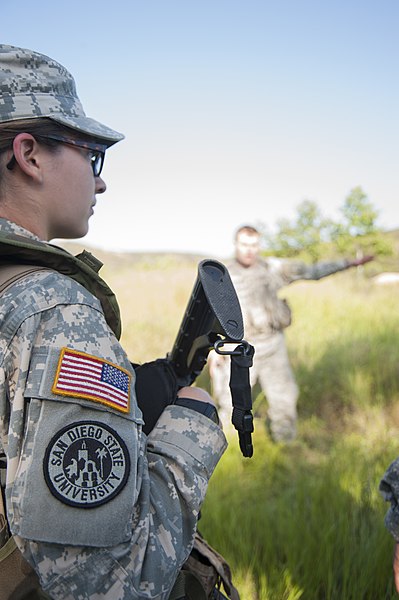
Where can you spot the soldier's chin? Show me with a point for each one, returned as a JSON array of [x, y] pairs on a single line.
[[245, 261]]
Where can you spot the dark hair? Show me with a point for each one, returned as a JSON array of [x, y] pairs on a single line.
[[41, 126], [246, 229], [9, 130], [37, 127]]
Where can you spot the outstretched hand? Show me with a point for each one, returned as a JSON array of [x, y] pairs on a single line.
[[396, 566], [356, 262]]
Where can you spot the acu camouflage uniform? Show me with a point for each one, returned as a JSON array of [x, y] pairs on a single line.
[[265, 318], [33, 85], [96, 507], [389, 488]]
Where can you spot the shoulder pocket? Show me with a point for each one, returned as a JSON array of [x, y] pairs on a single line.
[[76, 482]]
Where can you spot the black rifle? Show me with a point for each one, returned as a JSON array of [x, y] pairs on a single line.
[[213, 320]]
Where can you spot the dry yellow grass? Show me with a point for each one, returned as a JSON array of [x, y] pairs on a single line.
[[152, 303]]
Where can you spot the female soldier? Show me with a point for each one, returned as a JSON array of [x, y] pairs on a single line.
[[95, 506]]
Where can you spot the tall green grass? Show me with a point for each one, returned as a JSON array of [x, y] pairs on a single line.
[[303, 520]]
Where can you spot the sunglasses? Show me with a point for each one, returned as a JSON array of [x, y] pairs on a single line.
[[97, 154]]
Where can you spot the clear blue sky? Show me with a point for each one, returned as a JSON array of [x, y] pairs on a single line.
[[233, 111]]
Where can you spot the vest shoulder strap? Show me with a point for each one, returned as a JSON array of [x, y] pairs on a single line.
[[9, 274], [83, 268]]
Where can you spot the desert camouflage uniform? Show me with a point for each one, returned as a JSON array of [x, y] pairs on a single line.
[[265, 318], [123, 529]]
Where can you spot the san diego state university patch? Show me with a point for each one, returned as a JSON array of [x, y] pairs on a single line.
[[86, 464]]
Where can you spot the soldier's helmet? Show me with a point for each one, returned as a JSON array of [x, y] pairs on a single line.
[[33, 85]]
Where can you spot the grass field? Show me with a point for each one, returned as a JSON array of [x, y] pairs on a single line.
[[305, 520]]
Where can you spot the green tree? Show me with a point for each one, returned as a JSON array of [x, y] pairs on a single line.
[[312, 229], [283, 242], [358, 233], [311, 236], [306, 234]]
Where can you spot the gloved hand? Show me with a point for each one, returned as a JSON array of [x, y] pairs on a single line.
[[356, 262], [156, 388]]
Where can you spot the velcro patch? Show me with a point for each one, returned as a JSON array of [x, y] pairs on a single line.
[[80, 375], [86, 464]]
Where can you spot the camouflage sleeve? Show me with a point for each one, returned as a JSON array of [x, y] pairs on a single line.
[[95, 506], [389, 489], [290, 270]]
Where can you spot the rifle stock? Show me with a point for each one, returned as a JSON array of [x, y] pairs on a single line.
[[213, 314], [213, 319]]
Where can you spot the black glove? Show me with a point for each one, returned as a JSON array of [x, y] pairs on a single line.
[[156, 388]]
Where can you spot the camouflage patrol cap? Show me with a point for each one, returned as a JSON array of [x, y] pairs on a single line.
[[33, 85]]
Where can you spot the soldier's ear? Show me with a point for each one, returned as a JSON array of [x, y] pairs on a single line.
[[27, 153]]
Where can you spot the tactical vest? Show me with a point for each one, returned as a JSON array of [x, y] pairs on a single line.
[[83, 268]]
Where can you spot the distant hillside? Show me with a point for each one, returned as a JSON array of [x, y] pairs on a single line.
[[162, 260], [128, 259]]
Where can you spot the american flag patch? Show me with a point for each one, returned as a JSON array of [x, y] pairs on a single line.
[[81, 375]]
